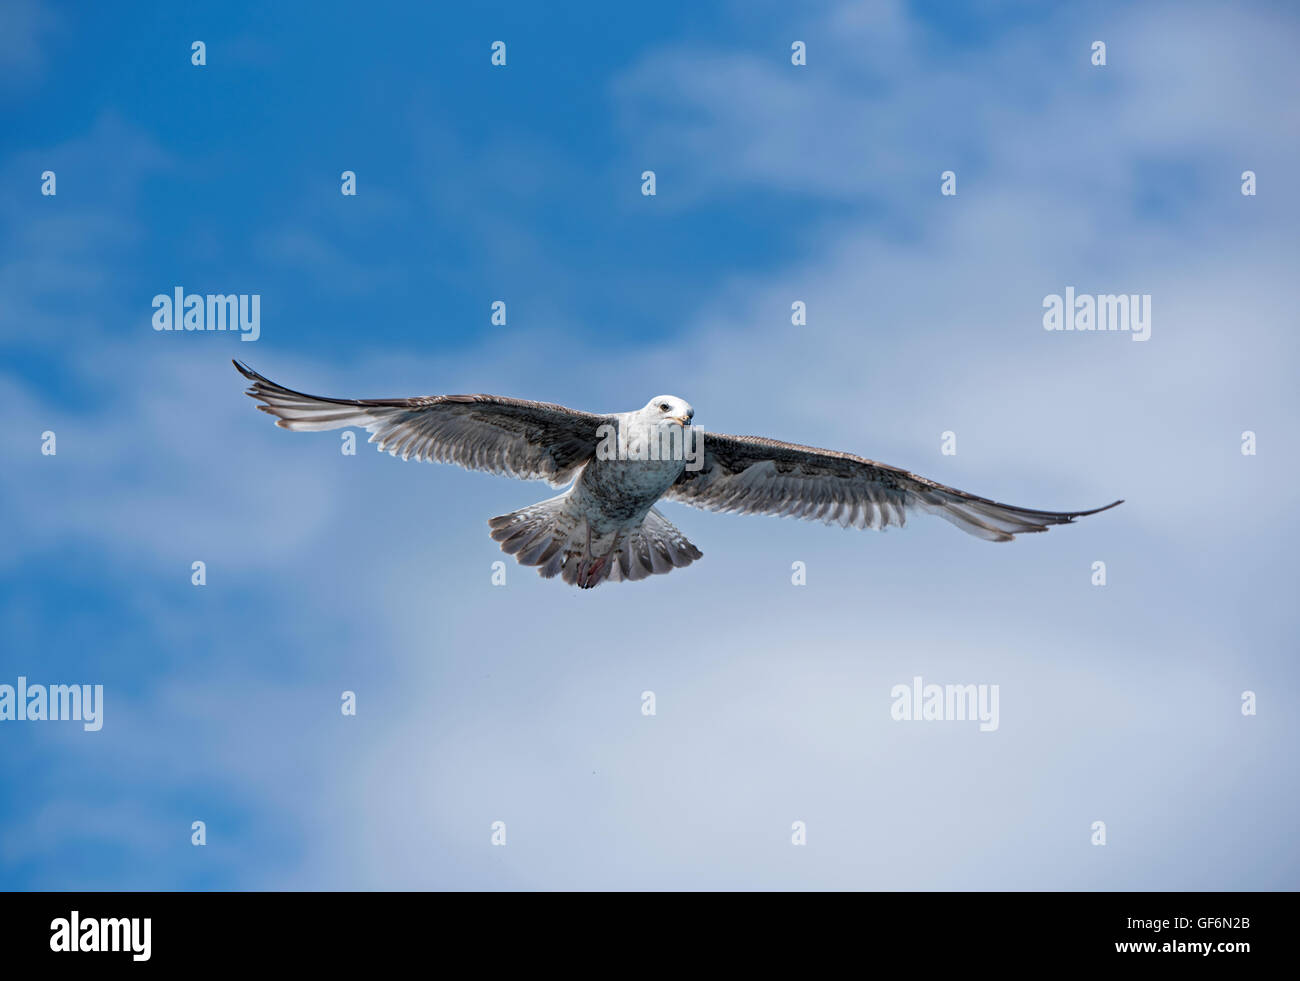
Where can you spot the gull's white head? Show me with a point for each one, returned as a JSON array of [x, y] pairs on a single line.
[[669, 408]]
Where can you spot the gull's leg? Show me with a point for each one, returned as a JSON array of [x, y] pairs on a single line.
[[589, 572], [612, 554]]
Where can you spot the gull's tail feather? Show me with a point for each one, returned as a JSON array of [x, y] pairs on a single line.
[[548, 535], [653, 548], [540, 534]]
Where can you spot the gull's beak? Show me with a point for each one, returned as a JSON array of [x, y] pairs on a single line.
[[682, 420]]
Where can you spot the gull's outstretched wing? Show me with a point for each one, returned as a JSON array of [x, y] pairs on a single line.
[[752, 475], [512, 437]]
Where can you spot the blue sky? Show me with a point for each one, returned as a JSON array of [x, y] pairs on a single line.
[[776, 183]]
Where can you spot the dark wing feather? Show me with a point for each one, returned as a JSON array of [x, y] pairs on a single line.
[[512, 437], [752, 475]]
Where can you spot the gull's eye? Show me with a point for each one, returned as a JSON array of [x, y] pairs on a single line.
[[663, 406]]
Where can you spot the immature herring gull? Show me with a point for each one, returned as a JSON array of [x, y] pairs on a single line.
[[605, 526]]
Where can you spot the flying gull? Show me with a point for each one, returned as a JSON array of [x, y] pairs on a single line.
[[605, 526]]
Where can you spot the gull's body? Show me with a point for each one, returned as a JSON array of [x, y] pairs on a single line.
[[607, 518], [605, 526]]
